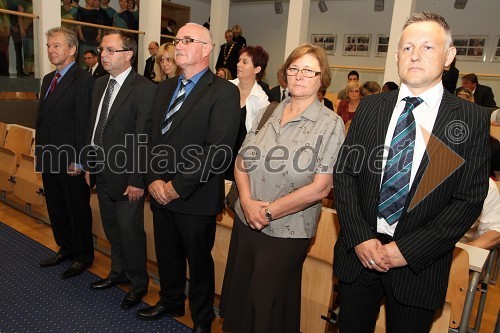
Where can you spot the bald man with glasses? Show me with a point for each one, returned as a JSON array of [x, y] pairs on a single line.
[[195, 118]]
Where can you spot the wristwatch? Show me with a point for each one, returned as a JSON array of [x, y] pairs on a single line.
[[269, 216]]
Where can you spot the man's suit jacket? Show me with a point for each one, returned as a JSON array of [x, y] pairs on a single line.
[[125, 131], [483, 95], [149, 68], [426, 234], [328, 103], [62, 120], [198, 144], [99, 71], [232, 58]]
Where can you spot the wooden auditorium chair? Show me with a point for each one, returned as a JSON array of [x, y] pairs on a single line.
[[28, 184], [3, 133]]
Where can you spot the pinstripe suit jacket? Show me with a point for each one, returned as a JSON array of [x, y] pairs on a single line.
[[427, 233], [62, 120]]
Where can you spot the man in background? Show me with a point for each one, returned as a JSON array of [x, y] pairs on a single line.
[[61, 126], [229, 54], [149, 72], [353, 76], [93, 66], [483, 95]]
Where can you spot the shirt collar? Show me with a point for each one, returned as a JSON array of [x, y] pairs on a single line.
[[65, 69], [120, 78], [432, 97], [195, 78]]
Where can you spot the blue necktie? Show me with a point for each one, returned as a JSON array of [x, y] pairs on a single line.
[[396, 181], [176, 105]]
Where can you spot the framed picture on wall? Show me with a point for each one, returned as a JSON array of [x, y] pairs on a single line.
[[496, 53], [326, 41], [470, 47], [382, 45], [357, 45]]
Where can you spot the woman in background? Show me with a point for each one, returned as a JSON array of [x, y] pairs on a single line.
[[224, 73], [165, 66], [347, 107], [279, 202], [251, 68]]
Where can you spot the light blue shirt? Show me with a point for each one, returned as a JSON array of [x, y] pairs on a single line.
[[192, 82], [62, 72]]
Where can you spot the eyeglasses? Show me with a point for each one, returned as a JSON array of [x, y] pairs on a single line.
[[109, 50], [309, 73], [186, 41]]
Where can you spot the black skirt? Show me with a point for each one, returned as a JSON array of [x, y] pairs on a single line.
[[262, 282]]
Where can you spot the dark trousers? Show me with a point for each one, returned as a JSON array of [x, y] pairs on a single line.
[[123, 224], [360, 304], [179, 237], [68, 204]]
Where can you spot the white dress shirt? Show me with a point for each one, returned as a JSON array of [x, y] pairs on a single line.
[[425, 115], [257, 100], [120, 78]]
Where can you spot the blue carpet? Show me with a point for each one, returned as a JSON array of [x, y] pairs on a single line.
[[35, 299]]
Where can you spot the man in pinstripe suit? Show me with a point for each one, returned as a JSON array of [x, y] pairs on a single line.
[[61, 127], [407, 259]]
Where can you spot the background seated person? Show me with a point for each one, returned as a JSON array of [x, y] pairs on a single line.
[[370, 87], [347, 108], [485, 233]]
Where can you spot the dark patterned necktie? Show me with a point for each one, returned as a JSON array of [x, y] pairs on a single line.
[[283, 95], [396, 181], [103, 117], [53, 84], [176, 105]]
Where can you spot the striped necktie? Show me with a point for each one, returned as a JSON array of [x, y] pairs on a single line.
[[103, 116], [396, 181], [176, 105]]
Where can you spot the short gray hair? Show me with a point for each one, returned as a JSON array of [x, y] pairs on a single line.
[[69, 34], [431, 17]]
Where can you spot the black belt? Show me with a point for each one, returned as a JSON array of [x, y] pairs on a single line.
[[384, 238]]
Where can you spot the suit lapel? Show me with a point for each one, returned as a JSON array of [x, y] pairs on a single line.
[[123, 94], [445, 115], [199, 89], [65, 82], [384, 114]]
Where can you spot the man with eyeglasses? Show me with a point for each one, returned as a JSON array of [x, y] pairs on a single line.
[[149, 72], [197, 115], [120, 107]]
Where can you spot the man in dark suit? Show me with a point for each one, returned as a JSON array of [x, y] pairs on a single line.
[[229, 54], [190, 148], [120, 107], [278, 93], [91, 59], [326, 102], [61, 126], [149, 69], [483, 95], [400, 220]]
